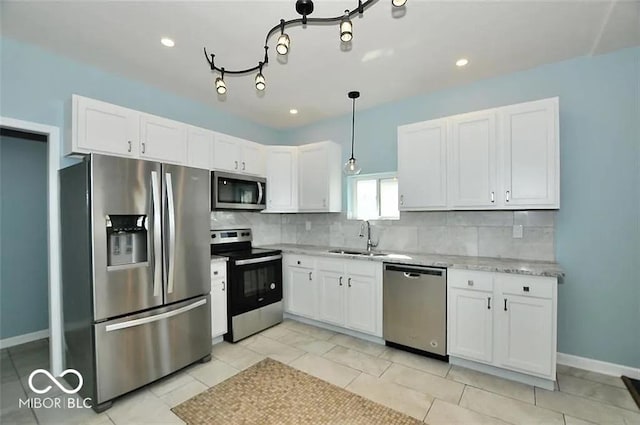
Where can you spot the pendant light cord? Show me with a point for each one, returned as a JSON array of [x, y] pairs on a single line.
[[353, 124]]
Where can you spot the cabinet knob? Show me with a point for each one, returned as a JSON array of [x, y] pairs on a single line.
[[215, 272], [298, 262], [525, 288], [470, 282]]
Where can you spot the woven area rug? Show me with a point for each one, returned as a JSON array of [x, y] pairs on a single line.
[[271, 392]]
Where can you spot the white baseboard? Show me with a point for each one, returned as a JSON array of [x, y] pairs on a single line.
[[22, 339], [598, 366]]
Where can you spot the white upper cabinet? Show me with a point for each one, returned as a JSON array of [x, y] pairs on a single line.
[[422, 165], [227, 151], [199, 147], [237, 155], [320, 177], [162, 139], [102, 128], [473, 162], [530, 154], [500, 158], [282, 178]]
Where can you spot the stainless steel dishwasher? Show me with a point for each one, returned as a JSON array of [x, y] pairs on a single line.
[[415, 308]]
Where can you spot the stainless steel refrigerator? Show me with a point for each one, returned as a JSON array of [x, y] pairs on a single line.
[[135, 268]]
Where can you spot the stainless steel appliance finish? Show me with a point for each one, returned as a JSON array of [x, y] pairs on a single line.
[[251, 322], [237, 191], [133, 251], [254, 276], [415, 307]]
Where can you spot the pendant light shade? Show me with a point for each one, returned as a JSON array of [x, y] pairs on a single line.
[[346, 28], [351, 167]]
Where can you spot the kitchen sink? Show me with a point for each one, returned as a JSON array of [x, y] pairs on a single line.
[[362, 253]]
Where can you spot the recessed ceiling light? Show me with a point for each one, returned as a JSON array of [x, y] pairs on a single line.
[[293, 111], [462, 62], [166, 41]]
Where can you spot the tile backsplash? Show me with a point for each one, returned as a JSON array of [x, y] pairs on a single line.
[[474, 233]]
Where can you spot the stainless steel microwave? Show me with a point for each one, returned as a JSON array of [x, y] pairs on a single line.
[[237, 191]]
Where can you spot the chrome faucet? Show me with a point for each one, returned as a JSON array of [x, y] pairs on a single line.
[[370, 243]]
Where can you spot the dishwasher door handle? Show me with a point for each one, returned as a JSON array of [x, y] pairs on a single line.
[[412, 275]]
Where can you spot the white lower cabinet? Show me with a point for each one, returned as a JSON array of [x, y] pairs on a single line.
[[344, 293], [218, 298], [300, 286], [503, 320]]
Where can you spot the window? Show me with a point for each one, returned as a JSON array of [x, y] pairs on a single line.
[[373, 197]]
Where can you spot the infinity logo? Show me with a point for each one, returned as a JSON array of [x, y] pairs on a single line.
[[55, 381]]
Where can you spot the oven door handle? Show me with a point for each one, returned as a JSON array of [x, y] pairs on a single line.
[[258, 260], [260, 194]]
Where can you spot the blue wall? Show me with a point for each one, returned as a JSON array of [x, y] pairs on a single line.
[[598, 225], [23, 226], [37, 86]]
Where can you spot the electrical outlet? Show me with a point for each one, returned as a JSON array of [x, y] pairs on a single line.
[[307, 225], [518, 231]]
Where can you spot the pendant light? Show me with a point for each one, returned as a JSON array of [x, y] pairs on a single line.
[[351, 167]]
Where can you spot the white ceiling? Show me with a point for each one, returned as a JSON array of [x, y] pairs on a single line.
[[391, 57]]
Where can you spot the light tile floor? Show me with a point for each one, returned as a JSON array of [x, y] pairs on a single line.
[[427, 389]]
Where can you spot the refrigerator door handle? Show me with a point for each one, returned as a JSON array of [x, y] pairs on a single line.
[[260, 194], [155, 318], [157, 231], [171, 212]]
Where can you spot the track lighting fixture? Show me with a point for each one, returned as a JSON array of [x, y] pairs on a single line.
[[221, 87], [260, 82], [304, 8]]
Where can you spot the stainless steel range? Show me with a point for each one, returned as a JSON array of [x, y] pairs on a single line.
[[254, 276]]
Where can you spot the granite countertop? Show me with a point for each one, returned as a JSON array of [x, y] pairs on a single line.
[[486, 264]]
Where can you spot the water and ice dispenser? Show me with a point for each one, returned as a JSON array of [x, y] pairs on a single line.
[[126, 240]]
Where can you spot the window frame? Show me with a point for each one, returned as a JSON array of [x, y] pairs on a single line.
[[352, 209]]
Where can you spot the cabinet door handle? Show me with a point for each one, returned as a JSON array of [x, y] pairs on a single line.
[[493, 197], [340, 281], [469, 282], [243, 166], [489, 303], [507, 194], [129, 150], [349, 282], [505, 304], [236, 167], [143, 148], [298, 262], [401, 199], [223, 285], [310, 275]]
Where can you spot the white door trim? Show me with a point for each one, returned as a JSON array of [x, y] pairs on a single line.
[[54, 143]]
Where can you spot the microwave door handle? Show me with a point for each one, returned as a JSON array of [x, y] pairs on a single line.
[[259, 193], [172, 233], [157, 230]]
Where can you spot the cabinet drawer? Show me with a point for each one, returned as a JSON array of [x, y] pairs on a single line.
[[218, 270], [466, 279], [299, 261], [528, 286], [362, 268]]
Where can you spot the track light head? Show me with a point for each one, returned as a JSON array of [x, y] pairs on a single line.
[[260, 82], [398, 3], [283, 44], [346, 28], [221, 87]]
